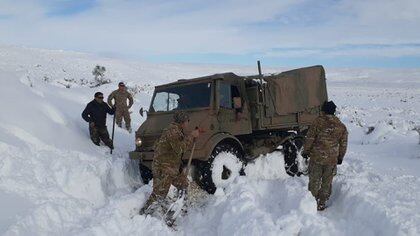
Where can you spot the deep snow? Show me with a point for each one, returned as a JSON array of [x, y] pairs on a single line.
[[54, 181]]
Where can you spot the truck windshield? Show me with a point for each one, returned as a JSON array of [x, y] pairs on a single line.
[[182, 97]]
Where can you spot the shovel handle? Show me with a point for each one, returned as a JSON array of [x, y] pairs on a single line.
[[191, 156], [113, 130]]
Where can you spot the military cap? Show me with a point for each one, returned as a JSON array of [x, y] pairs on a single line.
[[180, 117], [97, 94], [329, 107]]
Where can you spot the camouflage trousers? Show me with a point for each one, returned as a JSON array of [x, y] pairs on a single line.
[[100, 133], [120, 114], [320, 180], [163, 178]]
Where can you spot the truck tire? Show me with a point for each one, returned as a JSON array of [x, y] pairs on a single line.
[[290, 152], [146, 173], [206, 169]]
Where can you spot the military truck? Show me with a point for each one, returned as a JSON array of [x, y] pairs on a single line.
[[247, 116]]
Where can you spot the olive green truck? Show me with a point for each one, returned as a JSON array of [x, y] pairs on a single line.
[[248, 116]]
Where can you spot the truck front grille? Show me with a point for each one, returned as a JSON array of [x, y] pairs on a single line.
[[149, 141]]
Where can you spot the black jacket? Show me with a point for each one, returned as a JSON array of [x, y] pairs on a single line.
[[96, 112]]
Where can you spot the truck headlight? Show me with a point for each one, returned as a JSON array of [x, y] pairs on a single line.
[[138, 142]]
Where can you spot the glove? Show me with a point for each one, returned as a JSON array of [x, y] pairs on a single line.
[[195, 133], [339, 161]]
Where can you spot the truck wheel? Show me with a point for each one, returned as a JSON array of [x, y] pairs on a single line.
[[291, 150], [146, 173], [223, 166]]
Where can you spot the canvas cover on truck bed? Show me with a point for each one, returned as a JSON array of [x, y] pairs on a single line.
[[296, 90]]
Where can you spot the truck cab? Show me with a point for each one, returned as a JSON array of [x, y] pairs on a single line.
[[215, 104]]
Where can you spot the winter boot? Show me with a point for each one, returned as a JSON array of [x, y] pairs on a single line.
[[96, 141], [110, 145], [155, 210], [320, 205], [143, 211]]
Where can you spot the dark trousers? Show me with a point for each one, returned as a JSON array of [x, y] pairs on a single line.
[[100, 133]]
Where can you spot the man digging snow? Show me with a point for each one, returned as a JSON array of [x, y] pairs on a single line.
[[167, 162]]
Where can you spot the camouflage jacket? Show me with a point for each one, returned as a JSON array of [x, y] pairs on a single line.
[[171, 146], [120, 98], [326, 141]]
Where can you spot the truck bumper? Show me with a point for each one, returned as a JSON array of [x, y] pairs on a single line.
[[145, 158]]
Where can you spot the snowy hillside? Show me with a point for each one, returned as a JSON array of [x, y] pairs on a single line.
[[54, 181]]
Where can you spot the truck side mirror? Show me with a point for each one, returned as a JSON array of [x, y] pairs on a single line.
[[237, 103], [142, 112]]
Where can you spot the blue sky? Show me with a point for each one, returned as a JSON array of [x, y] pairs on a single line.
[[335, 33], [68, 8]]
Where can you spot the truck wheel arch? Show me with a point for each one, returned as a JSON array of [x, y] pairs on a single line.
[[219, 138]]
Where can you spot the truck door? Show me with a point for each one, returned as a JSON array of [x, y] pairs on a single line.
[[232, 109]]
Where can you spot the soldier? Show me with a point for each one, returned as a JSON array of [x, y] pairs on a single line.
[[325, 145], [169, 150], [120, 96], [95, 114]]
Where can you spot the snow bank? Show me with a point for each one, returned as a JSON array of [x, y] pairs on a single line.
[[270, 166], [48, 161]]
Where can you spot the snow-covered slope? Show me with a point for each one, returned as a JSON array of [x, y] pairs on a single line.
[[54, 181]]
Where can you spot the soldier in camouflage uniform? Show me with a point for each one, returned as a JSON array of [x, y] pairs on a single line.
[[325, 145], [121, 95], [169, 150]]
